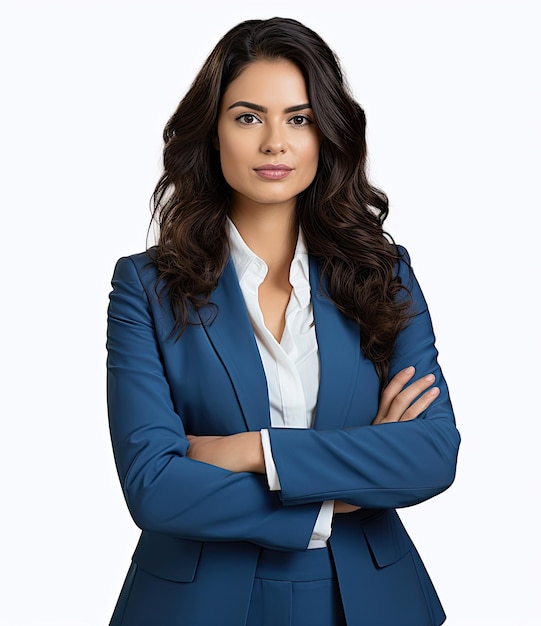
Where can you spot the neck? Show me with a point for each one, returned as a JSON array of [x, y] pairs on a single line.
[[271, 234]]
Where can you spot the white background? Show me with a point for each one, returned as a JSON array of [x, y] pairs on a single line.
[[451, 91]]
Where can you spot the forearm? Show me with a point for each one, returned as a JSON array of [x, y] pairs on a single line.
[[168, 492], [386, 466], [241, 452], [195, 500], [244, 452]]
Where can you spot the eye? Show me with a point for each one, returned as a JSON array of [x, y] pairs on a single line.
[[300, 120], [248, 119]]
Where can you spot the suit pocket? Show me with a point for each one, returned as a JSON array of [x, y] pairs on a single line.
[[387, 538], [168, 557]]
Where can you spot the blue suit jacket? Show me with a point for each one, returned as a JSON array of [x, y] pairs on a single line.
[[203, 526]]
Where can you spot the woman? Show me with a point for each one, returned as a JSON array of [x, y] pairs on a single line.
[[273, 384]]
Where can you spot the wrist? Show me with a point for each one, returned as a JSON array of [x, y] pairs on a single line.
[[254, 452]]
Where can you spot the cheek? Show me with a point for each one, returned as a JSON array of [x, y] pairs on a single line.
[[230, 156], [311, 155], [230, 163], [227, 151]]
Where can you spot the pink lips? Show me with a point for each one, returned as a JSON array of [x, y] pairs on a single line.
[[273, 172]]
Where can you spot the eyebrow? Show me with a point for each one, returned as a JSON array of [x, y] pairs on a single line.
[[258, 107]]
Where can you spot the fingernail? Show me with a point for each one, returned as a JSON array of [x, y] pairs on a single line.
[[430, 378], [409, 370], [434, 391]]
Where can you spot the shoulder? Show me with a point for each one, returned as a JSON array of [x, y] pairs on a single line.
[[139, 267], [403, 267], [408, 280], [402, 253]]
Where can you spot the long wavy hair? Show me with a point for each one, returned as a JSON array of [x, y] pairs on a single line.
[[341, 214]]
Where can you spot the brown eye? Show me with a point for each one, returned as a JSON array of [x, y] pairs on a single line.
[[247, 118], [300, 120]]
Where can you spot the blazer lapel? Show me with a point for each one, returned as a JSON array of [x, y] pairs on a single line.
[[339, 342], [231, 334]]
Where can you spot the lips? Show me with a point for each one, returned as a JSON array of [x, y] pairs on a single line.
[[270, 171]]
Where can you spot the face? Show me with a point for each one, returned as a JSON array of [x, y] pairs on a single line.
[[267, 136]]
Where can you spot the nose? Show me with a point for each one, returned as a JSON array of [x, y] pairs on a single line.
[[274, 141]]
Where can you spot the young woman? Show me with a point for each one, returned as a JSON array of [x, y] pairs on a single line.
[[273, 385]]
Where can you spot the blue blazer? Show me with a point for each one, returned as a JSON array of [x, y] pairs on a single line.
[[203, 526]]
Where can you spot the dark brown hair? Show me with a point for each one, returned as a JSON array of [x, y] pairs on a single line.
[[341, 214]]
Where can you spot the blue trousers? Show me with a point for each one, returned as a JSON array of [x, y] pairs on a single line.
[[296, 589]]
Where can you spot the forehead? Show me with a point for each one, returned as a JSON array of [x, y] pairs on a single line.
[[270, 83]]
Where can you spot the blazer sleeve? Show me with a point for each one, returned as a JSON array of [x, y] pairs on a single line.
[[383, 466], [165, 491]]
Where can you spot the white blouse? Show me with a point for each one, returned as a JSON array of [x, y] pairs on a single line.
[[291, 365]]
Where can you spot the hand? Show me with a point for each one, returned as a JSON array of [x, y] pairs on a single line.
[[397, 404], [344, 507], [241, 452]]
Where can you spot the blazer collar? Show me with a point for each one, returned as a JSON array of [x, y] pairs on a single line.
[[230, 332]]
